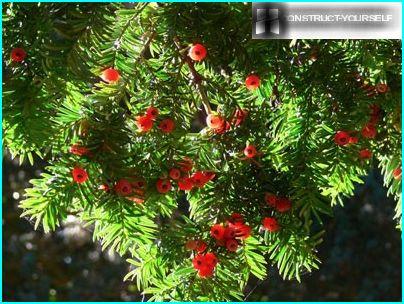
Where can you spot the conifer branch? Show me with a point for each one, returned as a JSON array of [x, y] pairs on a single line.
[[126, 26], [243, 194], [196, 77]]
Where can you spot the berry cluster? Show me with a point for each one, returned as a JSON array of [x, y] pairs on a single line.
[[214, 121], [134, 188], [145, 122], [228, 235], [343, 138], [185, 179], [205, 264], [270, 224], [279, 204], [198, 52], [220, 125], [79, 150], [369, 130], [368, 89], [197, 245], [123, 187]]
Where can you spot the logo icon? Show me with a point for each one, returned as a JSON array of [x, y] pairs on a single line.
[[268, 20]]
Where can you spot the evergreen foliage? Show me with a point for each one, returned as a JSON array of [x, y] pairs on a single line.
[[310, 90]]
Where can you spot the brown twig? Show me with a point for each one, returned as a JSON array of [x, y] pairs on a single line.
[[147, 44], [196, 77]]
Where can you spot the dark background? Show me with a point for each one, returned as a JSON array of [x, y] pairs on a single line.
[[361, 255]]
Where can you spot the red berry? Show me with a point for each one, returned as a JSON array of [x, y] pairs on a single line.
[[18, 54], [79, 175], [271, 199], [217, 231], [205, 264], [397, 173], [214, 121], [369, 131], [239, 117], [104, 187], [110, 75], [163, 186], [209, 175], [123, 187], [197, 52], [243, 231], [175, 173], [283, 205], [201, 246], [211, 259], [252, 82], [250, 151], [198, 261], [382, 88], [353, 140], [144, 123], [139, 184], [191, 245], [205, 271], [152, 112], [365, 154], [231, 245], [167, 125], [270, 224], [341, 138], [224, 128], [76, 149], [236, 218], [186, 184], [229, 232], [199, 179]]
